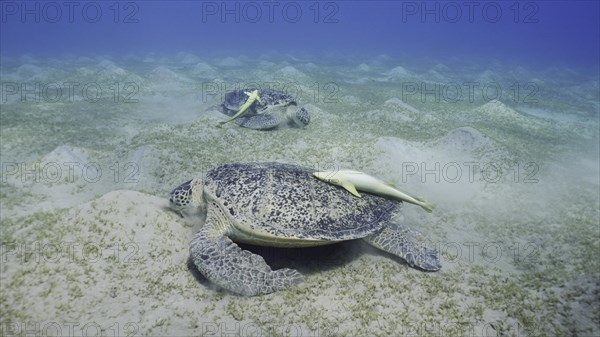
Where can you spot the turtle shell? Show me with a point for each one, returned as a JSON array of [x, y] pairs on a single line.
[[270, 98], [286, 201]]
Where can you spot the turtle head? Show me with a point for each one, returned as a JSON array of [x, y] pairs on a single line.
[[301, 117], [187, 196]]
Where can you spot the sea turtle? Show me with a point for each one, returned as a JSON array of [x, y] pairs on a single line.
[[271, 109], [283, 205], [253, 96]]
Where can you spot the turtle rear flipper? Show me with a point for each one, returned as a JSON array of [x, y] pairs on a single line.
[[259, 122], [403, 242], [220, 260]]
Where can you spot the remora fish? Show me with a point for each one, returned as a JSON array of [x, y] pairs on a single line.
[[355, 181]]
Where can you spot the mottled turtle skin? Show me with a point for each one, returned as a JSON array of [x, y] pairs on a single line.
[[261, 115], [283, 205]]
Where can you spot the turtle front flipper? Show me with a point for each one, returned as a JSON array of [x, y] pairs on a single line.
[[403, 242], [221, 261], [259, 122]]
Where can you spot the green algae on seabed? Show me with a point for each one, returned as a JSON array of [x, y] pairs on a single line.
[[365, 293]]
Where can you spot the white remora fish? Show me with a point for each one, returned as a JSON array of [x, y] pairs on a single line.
[[355, 180], [252, 97]]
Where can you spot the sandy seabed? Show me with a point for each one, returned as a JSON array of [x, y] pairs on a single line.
[[89, 244]]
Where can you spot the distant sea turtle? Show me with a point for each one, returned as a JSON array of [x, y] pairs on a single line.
[[253, 96], [267, 111], [282, 205]]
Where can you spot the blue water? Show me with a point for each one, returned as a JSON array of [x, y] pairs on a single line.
[[529, 33]]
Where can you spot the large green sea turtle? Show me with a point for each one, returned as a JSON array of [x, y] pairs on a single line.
[[283, 205], [268, 110]]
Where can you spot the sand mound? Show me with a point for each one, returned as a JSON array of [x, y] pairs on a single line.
[[30, 72], [399, 72], [465, 140], [434, 75], [398, 104], [204, 70], [456, 168], [164, 80], [57, 167], [229, 62], [127, 255], [107, 70], [110, 68], [187, 58], [364, 67], [488, 76], [499, 113], [290, 74], [27, 59], [441, 68], [69, 175], [164, 74]]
